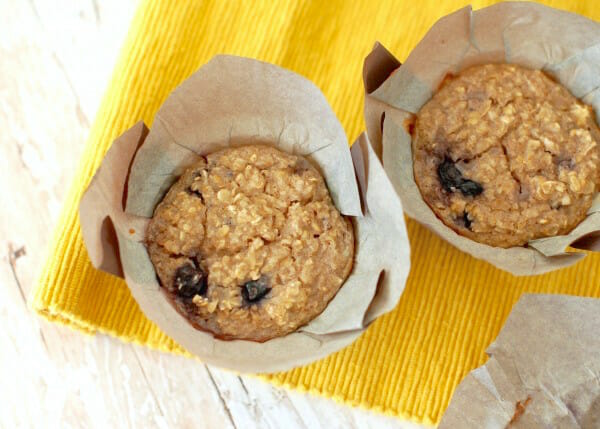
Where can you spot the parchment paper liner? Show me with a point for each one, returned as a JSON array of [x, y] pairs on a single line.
[[543, 371], [231, 101], [565, 45]]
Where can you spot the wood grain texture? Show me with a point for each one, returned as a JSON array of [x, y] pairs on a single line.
[[57, 57]]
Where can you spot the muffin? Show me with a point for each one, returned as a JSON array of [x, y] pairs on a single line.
[[248, 244], [503, 155]]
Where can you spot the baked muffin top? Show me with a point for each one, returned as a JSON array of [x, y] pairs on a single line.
[[503, 155], [248, 244]]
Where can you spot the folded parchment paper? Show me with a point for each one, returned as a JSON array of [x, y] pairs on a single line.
[[565, 45], [543, 371], [232, 101]]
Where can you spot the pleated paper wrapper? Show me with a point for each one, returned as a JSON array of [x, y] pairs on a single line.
[[234, 101], [562, 44], [543, 371]]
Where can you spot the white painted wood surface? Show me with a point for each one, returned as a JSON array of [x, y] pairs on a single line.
[[55, 61]]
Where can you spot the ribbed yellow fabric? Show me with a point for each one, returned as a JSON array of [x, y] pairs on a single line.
[[410, 360]]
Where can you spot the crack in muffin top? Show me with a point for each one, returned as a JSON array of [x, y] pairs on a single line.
[[503, 155], [248, 243]]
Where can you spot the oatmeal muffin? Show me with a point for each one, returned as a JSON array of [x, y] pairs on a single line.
[[504, 155], [247, 244]]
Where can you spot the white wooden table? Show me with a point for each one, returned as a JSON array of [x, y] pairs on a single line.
[[55, 61]]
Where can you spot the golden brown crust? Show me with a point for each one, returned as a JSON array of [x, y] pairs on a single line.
[[504, 155], [248, 244]]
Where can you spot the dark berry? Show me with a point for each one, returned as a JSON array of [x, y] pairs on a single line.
[[190, 281], [449, 175], [470, 188], [453, 180], [466, 220], [255, 290], [194, 193]]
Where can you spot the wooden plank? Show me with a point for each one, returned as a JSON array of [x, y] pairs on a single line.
[[184, 389], [254, 408]]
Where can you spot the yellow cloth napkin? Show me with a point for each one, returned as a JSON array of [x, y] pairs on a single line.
[[409, 361]]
